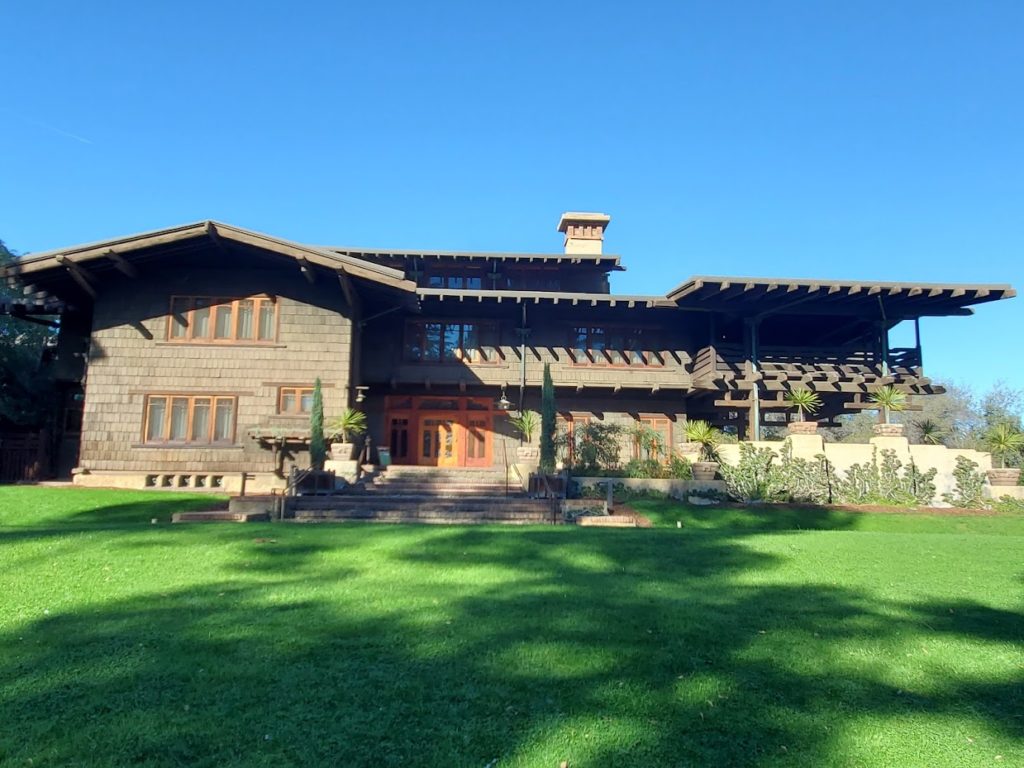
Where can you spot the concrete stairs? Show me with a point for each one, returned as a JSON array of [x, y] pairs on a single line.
[[427, 495], [448, 483]]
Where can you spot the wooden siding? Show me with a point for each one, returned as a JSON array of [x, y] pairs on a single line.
[[129, 358], [548, 342]]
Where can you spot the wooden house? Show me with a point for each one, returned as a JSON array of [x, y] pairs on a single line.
[[192, 351]]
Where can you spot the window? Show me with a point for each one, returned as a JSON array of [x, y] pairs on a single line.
[[294, 400], [471, 280], [600, 345], [652, 438], [223, 321], [569, 430], [189, 419], [444, 342]]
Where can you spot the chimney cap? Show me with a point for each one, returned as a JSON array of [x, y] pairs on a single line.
[[582, 217]]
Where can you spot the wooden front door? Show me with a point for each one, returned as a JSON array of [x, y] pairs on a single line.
[[478, 436], [440, 441], [400, 439]]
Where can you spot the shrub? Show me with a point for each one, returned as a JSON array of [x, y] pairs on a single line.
[[967, 492], [644, 468], [317, 446], [679, 468], [596, 447], [874, 483], [754, 478], [547, 422]]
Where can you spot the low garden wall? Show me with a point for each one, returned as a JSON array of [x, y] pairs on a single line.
[[842, 456]]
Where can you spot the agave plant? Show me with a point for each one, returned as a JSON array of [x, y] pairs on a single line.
[[1004, 441], [803, 401], [888, 399], [525, 423], [706, 436], [931, 433], [350, 424]]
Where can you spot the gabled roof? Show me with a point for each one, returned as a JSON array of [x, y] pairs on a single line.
[[120, 250], [766, 295]]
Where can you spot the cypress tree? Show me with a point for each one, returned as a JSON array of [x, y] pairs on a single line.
[[547, 422], [317, 445]]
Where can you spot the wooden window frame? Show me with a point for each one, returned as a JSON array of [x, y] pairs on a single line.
[[473, 357], [447, 274], [297, 390], [654, 422], [219, 301], [650, 358], [214, 398]]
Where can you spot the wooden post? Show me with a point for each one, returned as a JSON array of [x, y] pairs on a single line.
[[917, 344], [754, 419]]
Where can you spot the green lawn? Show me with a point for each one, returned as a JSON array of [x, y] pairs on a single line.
[[743, 638]]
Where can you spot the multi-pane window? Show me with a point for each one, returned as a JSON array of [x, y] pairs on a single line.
[[207, 319], [472, 281], [446, 342], [610, 345], [653, 438], [294, 400], [189, 419]]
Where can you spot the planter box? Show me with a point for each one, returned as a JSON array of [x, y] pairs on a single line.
[[1003, 477], [704, 471], [803, 428], [888, 430], [688, 451], [342, 451]]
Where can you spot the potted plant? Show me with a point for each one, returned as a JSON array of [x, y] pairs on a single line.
[[803, 400], [888, 399], [348, 426], [525, 423], [1004, 441], [705, 436]]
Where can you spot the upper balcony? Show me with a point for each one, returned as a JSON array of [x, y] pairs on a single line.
[[831, 369]]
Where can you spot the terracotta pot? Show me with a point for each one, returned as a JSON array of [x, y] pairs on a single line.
[[803, 427], [1003, 477], [704, 471], [888, 430], [342, 451]]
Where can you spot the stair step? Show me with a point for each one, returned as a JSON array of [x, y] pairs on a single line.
[[422, 515], [499, 506]]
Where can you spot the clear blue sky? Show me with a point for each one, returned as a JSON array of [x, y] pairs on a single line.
[[866, 140]]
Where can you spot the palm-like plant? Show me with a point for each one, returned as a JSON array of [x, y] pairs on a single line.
[[525, 424], [803, 401], [1003, 441], [706, 436], [888, 399], [931, 433], [351, 423]]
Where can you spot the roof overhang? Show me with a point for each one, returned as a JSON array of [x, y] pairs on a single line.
[[119, 253], [545, 297], [604, 260], [765, 296]]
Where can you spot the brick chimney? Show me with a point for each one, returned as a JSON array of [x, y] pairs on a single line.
[[584, 232]]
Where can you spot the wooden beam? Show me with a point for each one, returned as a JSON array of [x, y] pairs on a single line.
[[122, 265], [307, 270], [79, 275], [349, 291]]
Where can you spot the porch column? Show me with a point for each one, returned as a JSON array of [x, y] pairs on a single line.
[[754, 419], [917, 344]]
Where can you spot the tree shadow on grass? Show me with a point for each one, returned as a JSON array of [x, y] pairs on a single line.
[[399, 647]]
